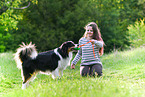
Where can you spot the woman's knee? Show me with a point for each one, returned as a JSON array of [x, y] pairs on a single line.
[[84, 71], [97, 70]]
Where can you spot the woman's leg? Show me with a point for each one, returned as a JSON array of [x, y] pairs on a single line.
[[84, 70], [96, 70]]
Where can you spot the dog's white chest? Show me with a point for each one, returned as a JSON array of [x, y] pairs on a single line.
[[63, 63]]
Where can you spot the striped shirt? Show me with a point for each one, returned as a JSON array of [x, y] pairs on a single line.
[[86, 52]]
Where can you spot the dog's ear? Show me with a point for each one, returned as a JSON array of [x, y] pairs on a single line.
[[64, 48]]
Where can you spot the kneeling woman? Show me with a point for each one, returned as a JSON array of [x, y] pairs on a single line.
[[91, 48]]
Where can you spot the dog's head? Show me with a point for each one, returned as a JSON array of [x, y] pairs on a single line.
[[67, 47]]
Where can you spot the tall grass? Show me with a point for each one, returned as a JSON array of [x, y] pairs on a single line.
[[123, 76]]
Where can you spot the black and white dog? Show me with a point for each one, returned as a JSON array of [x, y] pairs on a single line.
[[50, 62]]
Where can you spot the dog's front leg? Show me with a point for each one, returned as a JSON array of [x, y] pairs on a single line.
[[55, 73], [61, 73], [24, 85]]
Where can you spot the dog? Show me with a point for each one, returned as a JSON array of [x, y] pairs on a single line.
[[50, 62]]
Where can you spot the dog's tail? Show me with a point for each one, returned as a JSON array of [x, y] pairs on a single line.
[[25, 52]]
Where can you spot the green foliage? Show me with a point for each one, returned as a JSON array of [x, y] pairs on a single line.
[[52, 22], [49, 23], [8, 22], [137, 33], [123, 76], [113, 19], [9, 19]]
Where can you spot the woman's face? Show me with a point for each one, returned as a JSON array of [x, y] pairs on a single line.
[[89, 31]]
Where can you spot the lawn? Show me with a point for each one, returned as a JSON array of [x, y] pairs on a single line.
[[123, 76]]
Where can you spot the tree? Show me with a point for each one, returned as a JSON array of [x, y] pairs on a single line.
[[8, 21], [51, 22], [113, 18]]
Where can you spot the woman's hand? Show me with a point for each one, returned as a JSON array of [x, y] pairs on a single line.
[[93, 41], [72, 66]]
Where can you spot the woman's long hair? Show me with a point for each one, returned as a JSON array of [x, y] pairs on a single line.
[[96, 35]]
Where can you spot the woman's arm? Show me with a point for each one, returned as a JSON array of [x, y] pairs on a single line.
[[77, 57], [97, 43]]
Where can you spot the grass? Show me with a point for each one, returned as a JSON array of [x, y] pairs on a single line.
[[123, 76]]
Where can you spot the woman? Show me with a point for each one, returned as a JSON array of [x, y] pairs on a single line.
[[91, 48]]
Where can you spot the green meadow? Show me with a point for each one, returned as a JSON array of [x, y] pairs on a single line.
[[123, 76]]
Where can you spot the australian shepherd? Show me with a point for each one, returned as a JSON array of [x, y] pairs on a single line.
[[50, 62]]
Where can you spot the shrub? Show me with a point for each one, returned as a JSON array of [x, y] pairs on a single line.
[[137, 33]]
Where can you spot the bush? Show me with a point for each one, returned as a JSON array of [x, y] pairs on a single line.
[[137, 33]]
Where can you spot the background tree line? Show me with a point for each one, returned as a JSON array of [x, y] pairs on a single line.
[[49, 23]]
